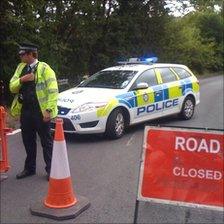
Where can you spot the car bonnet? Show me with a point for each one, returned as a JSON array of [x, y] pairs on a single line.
[[75, 97]]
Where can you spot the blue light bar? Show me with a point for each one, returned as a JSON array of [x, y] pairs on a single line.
[[149, 60], [152, 59]]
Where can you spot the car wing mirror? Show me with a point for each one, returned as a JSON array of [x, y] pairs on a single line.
[[141, 85]]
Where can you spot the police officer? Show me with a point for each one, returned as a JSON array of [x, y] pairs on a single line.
[[36, 89]]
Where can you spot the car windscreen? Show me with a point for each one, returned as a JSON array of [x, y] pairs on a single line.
[[113, 79]]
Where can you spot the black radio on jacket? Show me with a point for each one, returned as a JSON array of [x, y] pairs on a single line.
[[27, 93]]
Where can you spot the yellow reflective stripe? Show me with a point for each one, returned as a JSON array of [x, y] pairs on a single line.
[[40, 86], [50, 80], [43, 99], [175, 73], [145, 97], [52, 91], [158, 76]]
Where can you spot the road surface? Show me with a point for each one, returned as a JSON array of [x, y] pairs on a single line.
[[106, 172]]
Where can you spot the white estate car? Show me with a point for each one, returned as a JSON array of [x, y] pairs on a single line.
[[119, 96]]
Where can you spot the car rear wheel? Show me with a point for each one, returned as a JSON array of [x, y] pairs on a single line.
[[116, 124], [187, 111]]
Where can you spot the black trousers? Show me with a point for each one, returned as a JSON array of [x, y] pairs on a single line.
[[31, 124]]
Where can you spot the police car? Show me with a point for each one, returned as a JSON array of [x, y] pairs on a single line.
[[132, 92]]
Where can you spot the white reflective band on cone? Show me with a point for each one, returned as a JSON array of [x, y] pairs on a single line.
[[60, 167]]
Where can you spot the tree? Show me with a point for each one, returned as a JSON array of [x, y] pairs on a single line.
[[211, 27], [79, 37], [204, 5], [184, 44]]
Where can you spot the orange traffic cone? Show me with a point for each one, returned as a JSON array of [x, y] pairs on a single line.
[[4, 162], [60, 192], [61, 202]]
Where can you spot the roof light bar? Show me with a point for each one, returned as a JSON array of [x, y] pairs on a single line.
[[139, 61]]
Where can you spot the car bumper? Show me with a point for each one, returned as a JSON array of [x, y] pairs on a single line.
[[87, 126]]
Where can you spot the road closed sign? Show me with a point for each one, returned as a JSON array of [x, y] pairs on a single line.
[[182, 167]]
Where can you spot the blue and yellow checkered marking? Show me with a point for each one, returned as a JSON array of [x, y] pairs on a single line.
[[158, 93], [129, 99], [186, 86], [151, 95], [165, 92]]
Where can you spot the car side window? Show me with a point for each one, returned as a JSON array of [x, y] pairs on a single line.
[[167, 75], [149, 77], [182, 73]]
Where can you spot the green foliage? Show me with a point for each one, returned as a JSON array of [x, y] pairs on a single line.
[[204, 5], [79, 37], [184, 44], [211, 26]]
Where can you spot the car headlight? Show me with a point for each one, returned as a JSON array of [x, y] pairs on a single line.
[[88, 107]]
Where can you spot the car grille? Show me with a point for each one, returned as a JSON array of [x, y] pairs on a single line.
[[67, 125], [89, 124]]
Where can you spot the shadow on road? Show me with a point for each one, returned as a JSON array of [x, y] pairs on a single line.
[[84, 138], [88, 138], [165, 121]]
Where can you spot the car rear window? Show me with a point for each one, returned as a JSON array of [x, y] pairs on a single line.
[[182, 73], [167, 75]]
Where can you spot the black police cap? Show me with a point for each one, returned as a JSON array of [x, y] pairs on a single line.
[[27, 47]]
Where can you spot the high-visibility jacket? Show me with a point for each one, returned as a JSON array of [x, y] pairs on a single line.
[[46, 89]]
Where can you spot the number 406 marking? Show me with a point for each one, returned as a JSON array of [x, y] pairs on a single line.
[[76, 117]]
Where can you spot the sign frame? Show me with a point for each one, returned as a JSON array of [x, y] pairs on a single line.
[[165, 201]]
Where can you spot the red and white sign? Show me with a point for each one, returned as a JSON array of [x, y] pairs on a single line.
[[182, 167]]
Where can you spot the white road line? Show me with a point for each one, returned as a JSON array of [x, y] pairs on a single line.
[[14, 132], [130, 140]]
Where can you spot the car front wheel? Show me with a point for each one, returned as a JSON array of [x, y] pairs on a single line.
[[116, 124]]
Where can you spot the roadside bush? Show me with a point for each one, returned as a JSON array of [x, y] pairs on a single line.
[[185, 45]]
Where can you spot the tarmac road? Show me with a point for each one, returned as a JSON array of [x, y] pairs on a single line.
[[106, 172]]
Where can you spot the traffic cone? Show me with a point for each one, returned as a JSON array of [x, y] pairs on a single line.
[[4, 162], [60, 192], [60, 202]]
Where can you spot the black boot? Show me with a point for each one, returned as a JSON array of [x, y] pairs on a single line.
[[25, 173]]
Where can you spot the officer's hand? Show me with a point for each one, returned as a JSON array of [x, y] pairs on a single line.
[[27, 78], [46, 116]]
